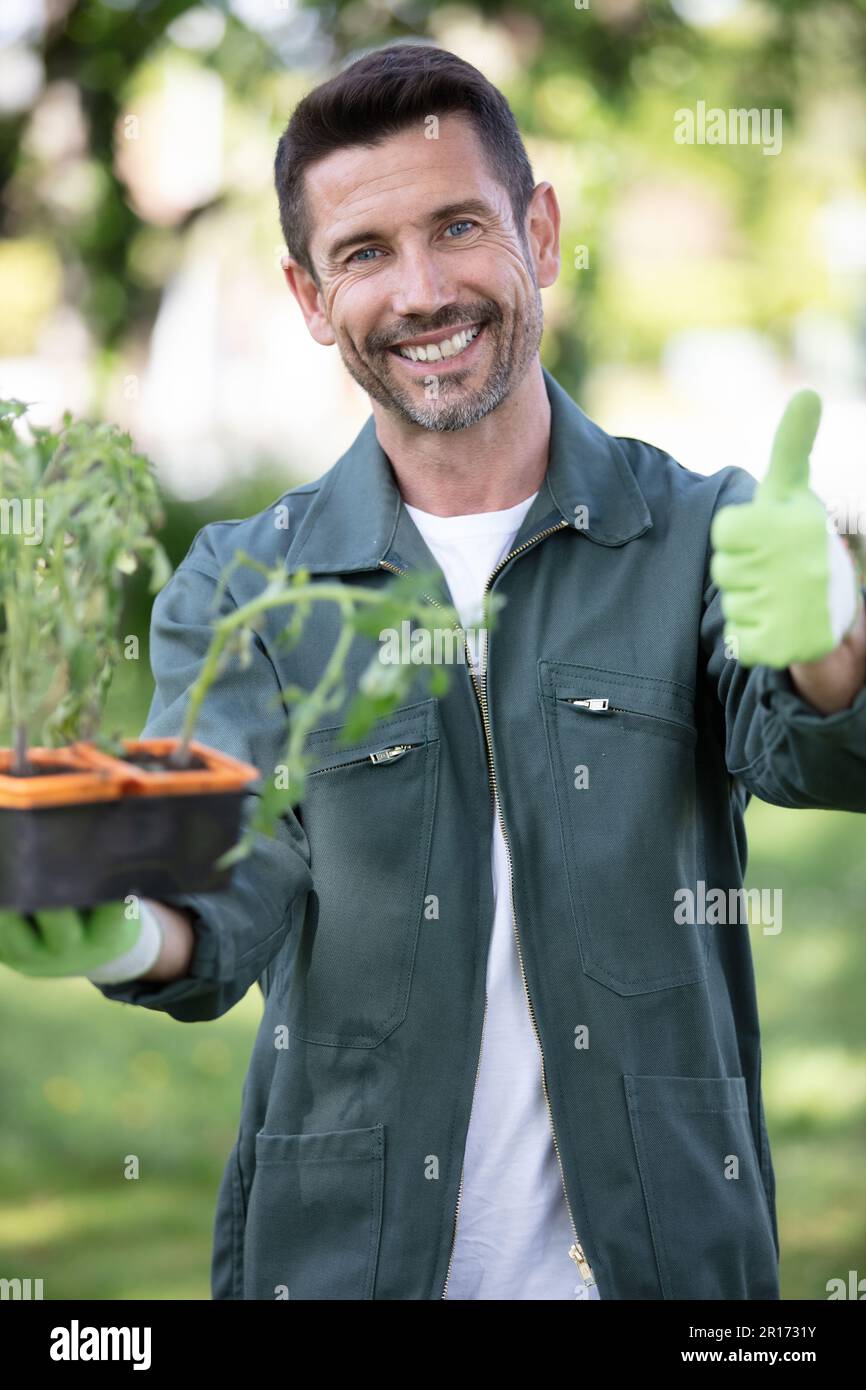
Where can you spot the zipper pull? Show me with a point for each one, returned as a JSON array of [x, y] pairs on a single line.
[[598, 705], [387, 755], [586, 1274]]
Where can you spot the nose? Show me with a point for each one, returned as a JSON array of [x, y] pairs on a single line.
[[423, 284]]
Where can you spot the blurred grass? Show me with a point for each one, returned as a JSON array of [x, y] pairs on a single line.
[[86, 1082], [811, 991]]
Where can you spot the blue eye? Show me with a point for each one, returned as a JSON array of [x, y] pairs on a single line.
[[371, 251]]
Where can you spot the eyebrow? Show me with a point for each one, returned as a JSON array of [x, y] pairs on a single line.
[[474, 206]]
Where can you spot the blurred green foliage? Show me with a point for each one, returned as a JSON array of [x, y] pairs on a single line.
[[61, 598], [598, 84]]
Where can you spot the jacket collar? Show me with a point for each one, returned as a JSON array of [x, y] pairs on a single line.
[[357, 518]]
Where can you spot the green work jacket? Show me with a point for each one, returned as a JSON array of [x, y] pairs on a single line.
[[366, 919]]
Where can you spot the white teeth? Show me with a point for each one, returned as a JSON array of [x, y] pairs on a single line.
[[448, 347]]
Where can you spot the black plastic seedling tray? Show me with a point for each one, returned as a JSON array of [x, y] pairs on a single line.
[[93, 852]]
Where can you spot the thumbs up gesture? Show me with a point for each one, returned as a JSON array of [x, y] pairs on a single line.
[[790, 592]]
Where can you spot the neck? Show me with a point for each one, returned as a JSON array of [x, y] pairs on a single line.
[[492, 465]]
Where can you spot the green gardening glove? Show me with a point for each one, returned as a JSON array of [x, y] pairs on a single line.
[[789, 588], [66, 941]]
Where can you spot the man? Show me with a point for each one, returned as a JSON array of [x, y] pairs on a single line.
[[540, 1082]]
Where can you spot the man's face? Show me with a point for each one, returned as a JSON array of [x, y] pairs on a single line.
[[427, 286]]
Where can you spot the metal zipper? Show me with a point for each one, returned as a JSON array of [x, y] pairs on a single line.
[[384, 755], [386, 564], [598, 704], [576, 1251]]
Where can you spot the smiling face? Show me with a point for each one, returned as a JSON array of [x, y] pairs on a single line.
[[426, 285]]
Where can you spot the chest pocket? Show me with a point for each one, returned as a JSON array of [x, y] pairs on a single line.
[[368, 815], [622, 760]]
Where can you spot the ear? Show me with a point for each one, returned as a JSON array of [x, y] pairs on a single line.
[[542, 232], [309, 297]]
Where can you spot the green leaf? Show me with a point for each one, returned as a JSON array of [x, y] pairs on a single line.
[[83, 664], [439, 680]]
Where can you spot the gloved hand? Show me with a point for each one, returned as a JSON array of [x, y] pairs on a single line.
[[80, 941], [790, 591]]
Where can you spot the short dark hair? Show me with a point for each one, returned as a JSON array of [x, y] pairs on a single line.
[[376, 96]]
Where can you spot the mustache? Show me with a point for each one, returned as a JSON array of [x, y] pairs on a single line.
[[452, 317]]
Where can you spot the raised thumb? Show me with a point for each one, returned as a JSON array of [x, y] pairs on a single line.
[[792, 444]]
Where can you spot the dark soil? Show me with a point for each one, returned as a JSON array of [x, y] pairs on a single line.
[[152, 762], [42, 770]]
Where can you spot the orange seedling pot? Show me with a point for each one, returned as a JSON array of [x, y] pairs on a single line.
[[84, 782], [221, 773], [110, 829]]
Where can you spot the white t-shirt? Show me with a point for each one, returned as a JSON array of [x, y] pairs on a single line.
[[513, 1229]]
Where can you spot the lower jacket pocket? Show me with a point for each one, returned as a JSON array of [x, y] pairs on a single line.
[[702, 1184], [314, 1215]]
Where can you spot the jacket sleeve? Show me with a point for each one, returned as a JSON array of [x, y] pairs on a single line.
[[239, 931], [779, 746]]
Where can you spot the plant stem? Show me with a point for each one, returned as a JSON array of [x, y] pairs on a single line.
[[19, 759], [299, 728], [225, 627], [301, 725], [16, 638]]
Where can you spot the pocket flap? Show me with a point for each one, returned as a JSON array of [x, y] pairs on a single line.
[[339, 1146], [414, 724], [639, 694], [689, 1094]]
